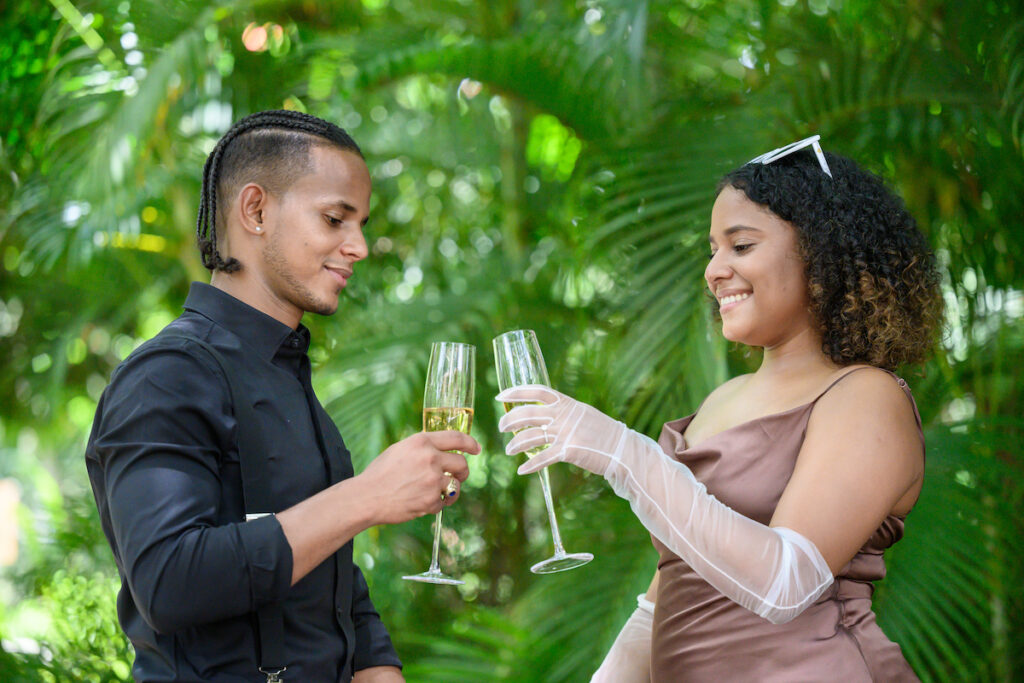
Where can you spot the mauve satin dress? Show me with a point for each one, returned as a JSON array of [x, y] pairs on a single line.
[[701, 635]]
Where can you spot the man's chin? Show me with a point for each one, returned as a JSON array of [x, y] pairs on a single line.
[[325, 310], [325, 306]]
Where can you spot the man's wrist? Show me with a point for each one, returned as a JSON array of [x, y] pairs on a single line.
[[358, 497], [379, 674]]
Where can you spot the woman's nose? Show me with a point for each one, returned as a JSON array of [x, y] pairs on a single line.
[[716, 270]]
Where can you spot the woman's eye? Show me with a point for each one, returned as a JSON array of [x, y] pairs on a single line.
[[332, 220], [741, 247]]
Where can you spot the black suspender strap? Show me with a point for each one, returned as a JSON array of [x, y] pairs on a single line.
[[257, 495]]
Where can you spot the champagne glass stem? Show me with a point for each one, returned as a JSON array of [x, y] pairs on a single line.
[[556, 536], [434, 567]]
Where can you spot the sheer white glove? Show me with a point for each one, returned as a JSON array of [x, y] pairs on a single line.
[[629, 659], [772, 571]]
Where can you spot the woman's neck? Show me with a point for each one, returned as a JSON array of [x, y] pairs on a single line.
[[799, 355]]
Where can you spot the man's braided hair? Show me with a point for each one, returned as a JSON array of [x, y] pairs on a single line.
[[269, 147]]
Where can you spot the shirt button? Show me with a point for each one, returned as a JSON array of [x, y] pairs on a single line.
[[294, 343]]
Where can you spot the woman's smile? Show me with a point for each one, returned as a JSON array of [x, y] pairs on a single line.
[[730, 301]]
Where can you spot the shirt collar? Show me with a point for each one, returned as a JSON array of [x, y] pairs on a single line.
[[257, 329]]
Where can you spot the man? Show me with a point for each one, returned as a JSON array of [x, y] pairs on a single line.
[[285, 197]]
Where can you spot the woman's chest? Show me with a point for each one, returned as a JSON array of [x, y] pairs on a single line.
[[746, 466]]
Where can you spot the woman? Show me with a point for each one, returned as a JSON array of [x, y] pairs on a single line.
[[771, 506]]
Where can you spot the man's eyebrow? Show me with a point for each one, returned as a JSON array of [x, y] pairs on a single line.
[[737, 228], [341, 203]]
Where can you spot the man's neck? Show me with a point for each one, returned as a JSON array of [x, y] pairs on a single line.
[[257, 295]]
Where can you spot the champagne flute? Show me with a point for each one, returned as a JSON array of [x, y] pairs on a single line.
[[447, 405], [518, 361]]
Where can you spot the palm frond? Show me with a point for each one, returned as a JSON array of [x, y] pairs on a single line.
[[479, 645], [1013, 95], [946, 576], [593, 84], [100, 148]]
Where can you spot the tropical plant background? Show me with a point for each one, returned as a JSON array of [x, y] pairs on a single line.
[[547, 164]]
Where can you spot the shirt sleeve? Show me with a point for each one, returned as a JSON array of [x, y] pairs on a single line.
[[161, 430], [373, 644]]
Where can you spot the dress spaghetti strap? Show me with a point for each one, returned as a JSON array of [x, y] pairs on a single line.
[[899, 380], [839, 379]]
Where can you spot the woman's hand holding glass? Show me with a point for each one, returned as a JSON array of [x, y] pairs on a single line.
[[573, 431]]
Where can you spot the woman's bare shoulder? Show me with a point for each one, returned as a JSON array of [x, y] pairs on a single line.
[[874, 403], [867, 390]]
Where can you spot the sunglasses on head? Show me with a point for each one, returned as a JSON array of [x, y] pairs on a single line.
[[776, 154]]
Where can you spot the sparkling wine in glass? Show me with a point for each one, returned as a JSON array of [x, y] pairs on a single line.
[[518, 361], [447, 405]]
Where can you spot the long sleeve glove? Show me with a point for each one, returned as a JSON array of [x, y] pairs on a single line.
[[629, 659], [772, 571]]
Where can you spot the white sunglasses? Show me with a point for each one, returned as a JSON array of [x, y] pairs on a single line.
[[776, 154]]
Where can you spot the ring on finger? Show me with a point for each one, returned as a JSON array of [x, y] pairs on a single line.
[[452, 488]]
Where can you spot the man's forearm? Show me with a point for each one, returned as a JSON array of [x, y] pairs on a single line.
[[403, 482], [319, 525], [379, 674]]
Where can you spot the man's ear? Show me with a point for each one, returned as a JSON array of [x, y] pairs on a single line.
[[252, 200]]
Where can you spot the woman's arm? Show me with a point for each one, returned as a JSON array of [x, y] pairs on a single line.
[[862, 459], [629, 659], [774, 571]]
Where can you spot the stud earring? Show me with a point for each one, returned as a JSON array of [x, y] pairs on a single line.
[[259, 229]]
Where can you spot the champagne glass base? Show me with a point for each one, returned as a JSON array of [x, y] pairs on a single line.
[[561, 563], [434, 577]]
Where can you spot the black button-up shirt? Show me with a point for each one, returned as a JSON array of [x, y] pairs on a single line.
[[163, 463]]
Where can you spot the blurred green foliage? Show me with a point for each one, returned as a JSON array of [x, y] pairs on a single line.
[[537, 163]]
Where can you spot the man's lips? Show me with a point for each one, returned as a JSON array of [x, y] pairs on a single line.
[[340, 274]]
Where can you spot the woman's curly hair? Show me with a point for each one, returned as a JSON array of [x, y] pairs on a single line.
[[872, 279]]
